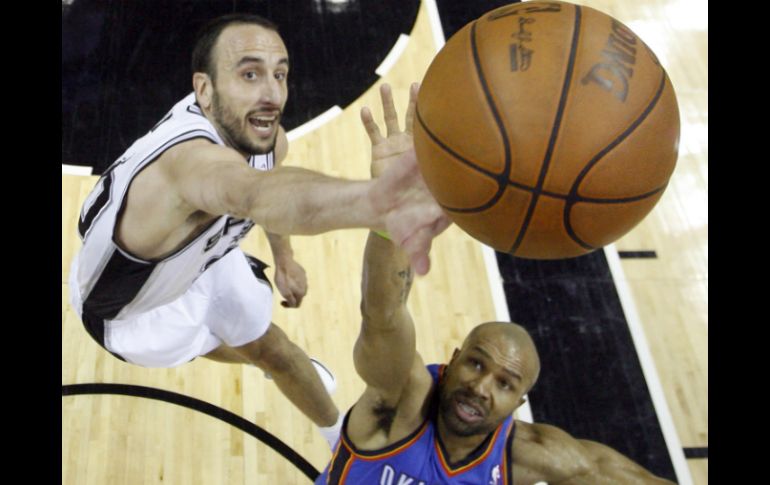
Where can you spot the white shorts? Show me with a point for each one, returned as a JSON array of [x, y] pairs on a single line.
[[231, 303]]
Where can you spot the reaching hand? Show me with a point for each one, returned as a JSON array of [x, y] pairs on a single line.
[[412, 216], [385, 151], [291, 282]]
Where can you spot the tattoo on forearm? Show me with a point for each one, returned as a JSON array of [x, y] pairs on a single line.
[[407, 276]]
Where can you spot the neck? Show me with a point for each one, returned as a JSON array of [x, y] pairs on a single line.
[[223, 134]]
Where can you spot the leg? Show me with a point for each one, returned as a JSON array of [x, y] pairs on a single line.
[[292, 372], [226, 355], [239, 314]]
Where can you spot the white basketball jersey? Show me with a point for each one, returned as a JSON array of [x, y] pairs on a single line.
[[108, 282]]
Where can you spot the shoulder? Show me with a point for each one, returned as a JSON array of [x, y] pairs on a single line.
[[185, 119], [198, 152], [549, 453]]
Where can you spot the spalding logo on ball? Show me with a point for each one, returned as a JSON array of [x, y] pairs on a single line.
[[546, 129]]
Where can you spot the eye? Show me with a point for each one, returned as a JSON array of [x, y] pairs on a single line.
[[250, 75], [281, 76], [475, 363], [504, 385]]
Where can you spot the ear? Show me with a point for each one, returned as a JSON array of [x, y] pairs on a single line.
[[204, 89], [454, 355]]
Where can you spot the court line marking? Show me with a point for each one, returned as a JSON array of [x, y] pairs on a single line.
[[439, 39], [315, 123], [393, 55], [75, 170], [202, 407], [670, 436]]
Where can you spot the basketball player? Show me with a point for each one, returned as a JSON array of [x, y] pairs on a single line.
[[450, 424], [160, 279]]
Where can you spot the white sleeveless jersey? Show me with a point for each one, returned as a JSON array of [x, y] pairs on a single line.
[[112, 284]]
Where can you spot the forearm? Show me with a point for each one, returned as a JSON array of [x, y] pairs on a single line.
[[280, 245], [386, 346], [386, 283], [296, 201], [287, 200], [613, 468]]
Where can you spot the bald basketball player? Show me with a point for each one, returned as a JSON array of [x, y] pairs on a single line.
[[160, 278], [450, 424]]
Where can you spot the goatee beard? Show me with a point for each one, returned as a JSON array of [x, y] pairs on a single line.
[[230, 125], [453, 423]]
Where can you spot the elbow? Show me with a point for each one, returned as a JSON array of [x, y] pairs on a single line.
[[239, 205]]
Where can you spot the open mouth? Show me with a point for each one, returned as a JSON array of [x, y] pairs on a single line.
[[263, 124], [467, 411]]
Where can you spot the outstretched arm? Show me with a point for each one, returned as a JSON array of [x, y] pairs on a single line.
[[290, 200], [546, 453], [286, 200], [385, 349], [385, 353]]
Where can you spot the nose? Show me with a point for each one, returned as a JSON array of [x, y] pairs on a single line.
[[482, 385], [271, 92]]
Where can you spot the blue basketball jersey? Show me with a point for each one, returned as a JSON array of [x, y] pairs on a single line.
[[420, 459]]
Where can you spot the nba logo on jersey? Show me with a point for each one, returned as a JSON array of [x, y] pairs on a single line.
[[495, 480]]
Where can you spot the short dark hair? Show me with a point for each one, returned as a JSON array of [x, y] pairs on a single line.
[[209, 33]]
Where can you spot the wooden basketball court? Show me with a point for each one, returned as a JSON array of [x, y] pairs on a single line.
[[119, 439]]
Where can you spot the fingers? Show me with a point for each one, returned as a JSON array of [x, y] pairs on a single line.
[[292, 285], [293, 298], [390, 114], [372, 129], [411, 108], [291, 302], [389, 109]]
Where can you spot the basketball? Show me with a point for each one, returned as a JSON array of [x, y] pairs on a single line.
[[546, 129]]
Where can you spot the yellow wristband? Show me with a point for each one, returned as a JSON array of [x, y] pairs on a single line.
[[383, 234]]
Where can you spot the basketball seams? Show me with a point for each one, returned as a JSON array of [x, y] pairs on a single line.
[[529, 207], [449, 150], [502, 178], [573, 197], [618, 139], [554, 130]]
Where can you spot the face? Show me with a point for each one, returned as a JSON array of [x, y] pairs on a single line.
[[483, 384], [250, 88]]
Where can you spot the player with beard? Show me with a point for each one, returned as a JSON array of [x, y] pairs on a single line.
[[160, 279], [449, 424]]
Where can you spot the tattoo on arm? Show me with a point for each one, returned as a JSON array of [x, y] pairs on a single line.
[[407, 276]]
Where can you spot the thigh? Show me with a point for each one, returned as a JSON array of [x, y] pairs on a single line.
[[240, 298], [166, 336]]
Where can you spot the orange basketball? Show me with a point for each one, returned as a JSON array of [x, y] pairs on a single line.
[[546, 129]]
